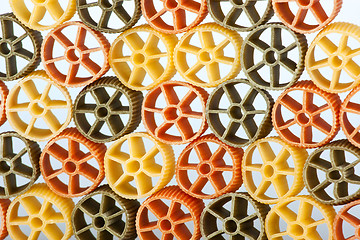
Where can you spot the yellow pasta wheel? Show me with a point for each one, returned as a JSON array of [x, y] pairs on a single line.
[[46, 213], [197, 49], [46, 112], [305, 218], [279, 165], [333, 64], [33, 17], [137, 165], [150, 60]]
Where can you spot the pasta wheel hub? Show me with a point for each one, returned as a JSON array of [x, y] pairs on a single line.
[[272, 57], [5, 48], [36, 223], [106, 4], [230, 226], [139, 58], [165, 225], [205, 56], [337, 61], [336, 175], [6, 166], [304, 119], [133, 167], [99, 223], [70, 168], [172, 113], [269, 171], [101, 112], [306, 3], [37, 108], [239, 3], [297, 230], [236, 112], [171, 5], [205, 169], [40, 2], [73, 54]]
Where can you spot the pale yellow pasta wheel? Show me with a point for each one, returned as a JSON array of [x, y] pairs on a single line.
[[199, 45], [275, 161], [46, 213], [134, 169], [59, 10], [151, 56], [54, 111], [302, 223], [339, 70]]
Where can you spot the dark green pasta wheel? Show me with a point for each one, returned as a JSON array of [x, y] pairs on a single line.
[[106, 110], [19, 164], [106, 214], [115, 15], [19, 57]]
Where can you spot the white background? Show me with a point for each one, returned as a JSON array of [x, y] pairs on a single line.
[[348, 13]]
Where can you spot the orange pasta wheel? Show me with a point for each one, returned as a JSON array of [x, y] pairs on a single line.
[[185, 14], [186, 114], [76, 165], [82, 62], [306, 16], [306, 126], [171, 219], [210, 166]]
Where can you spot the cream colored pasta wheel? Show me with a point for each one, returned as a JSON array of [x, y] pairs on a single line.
[[46, 110], [198, 45], [275, 164], [304, 218], [333, 65], [43, 14], [142, 57], [45, 213], [137, 165]]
